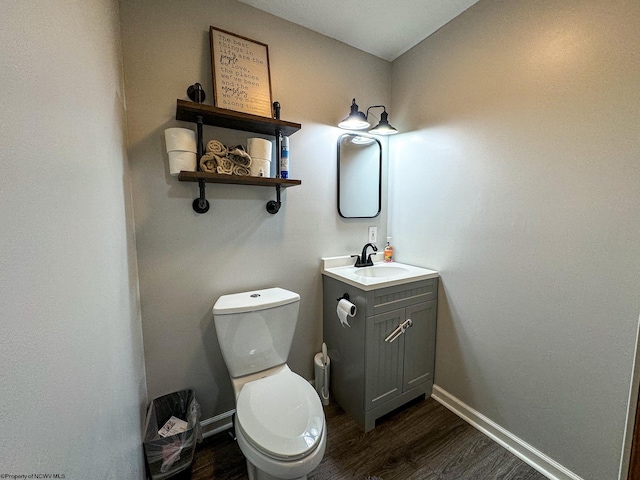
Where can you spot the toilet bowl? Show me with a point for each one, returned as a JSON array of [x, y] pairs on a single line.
[[280, 426], [279, 423]]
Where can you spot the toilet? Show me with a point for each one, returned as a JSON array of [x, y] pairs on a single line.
[[279, 421]]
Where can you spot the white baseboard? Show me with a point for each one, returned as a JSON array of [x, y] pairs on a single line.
[[217, 424], [521, 449]]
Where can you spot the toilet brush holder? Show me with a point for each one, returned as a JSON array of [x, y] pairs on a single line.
[[322, 377]]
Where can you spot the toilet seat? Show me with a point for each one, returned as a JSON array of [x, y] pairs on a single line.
[[281, 415]]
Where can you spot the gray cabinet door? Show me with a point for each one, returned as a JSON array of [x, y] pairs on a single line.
[[419, 344], [383, 360]]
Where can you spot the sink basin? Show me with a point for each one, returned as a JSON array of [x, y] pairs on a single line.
[[380, 275], [381, 271]]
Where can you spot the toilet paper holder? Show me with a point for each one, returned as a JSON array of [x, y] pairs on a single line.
[[345, 309]]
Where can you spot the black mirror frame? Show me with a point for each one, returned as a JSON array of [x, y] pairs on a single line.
[[379, 172]]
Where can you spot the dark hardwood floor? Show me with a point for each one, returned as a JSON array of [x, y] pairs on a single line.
[[421, 441]]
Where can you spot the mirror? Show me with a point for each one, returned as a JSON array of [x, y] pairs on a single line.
[[359, 176]]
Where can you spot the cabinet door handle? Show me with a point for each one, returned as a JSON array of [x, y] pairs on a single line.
[[393, 335], [399, 330]]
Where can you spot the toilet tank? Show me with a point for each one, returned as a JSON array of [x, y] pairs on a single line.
[[255, 329]]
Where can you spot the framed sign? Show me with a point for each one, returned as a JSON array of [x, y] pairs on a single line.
[[241, 76]]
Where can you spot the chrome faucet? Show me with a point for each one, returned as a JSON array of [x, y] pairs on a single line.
[[363, 260]]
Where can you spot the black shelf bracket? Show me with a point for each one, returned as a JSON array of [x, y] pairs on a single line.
[[200, 204], [273, 207]]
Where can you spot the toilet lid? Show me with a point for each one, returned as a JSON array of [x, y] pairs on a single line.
[[281, 415]]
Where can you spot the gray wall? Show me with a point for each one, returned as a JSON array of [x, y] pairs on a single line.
[[518, 179], [72, 382], [186, 261]]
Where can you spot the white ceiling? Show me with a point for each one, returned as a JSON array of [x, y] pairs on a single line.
[[384, 28]]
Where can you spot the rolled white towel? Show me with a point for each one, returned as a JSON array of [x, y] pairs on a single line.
[[238, 156], [217, 147], [209, 162], [225, 166], [240, 170]]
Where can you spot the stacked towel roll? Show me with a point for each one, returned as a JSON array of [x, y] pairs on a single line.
[[225, 166], [217, 148], [241, 160], [181, 148], [240, 170], [209, 162], [225, 160], [212, 158]]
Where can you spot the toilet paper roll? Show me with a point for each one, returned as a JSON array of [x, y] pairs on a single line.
[[179, 160], [182, 139], [259, 148], [260, 167], [345, 309]]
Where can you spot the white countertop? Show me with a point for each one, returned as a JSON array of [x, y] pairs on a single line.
[[341, 268]]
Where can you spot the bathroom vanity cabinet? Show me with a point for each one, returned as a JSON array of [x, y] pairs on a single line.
[[371, 376]]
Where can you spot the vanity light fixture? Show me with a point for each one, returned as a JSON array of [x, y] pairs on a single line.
[[356, 120], [383, 128]]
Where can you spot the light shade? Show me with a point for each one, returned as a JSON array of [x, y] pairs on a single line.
[[383, 128], [356, 120]]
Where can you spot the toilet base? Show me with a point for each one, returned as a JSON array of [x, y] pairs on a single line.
[[256, 474]]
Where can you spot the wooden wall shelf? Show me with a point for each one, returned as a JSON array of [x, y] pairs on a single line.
[[236, 179], [221, 117]]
